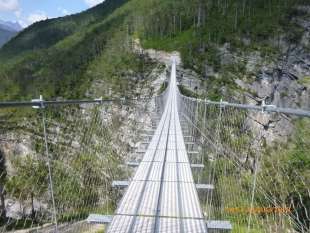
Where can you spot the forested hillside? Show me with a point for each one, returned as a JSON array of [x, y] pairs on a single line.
[[46, 33], [56, 57], [51, 57], [228, 40]]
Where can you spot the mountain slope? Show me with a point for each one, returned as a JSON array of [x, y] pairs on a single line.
[[46, 33], [6, 35], [7, 31], [58, 64], [61, 57], [11, 26]]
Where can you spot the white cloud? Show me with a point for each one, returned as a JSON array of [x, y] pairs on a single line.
[[22, 23], [63, 11], [18, 13], [37, 16], [9, 5], [93, 2]]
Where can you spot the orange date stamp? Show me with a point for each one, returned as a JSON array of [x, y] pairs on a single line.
[[259, 210]]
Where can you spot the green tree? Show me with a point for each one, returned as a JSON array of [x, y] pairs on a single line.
[[29, 181]]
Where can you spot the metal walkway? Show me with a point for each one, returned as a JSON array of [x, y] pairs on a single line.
[[162, 196]]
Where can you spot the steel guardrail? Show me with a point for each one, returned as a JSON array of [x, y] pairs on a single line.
[[262, 108], [40, 103]]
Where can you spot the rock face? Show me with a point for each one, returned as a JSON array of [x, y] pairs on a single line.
[[283, 83], [279, 88], [282, 80], [190, 80]]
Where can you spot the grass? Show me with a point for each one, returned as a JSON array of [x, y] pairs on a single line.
[[24, 223], [282, 167], [304, 81], [162, 88], [100, 231], [244, 229], [185, 91]]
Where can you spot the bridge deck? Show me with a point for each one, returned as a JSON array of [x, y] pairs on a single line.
[[162, 196]]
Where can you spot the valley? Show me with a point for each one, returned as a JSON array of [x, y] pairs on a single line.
[[254, 53]]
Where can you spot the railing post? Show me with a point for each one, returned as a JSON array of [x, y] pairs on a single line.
[[205, 116], [203, 152], [197, 115]]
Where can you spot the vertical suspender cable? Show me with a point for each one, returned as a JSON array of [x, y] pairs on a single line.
[[49, 170], [253, 191], [252, 198]]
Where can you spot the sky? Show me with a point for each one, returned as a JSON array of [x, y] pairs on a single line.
[[27, 12]]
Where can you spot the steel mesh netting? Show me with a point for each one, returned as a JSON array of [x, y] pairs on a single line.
[[160, 102], [259, 186], [57, 166]]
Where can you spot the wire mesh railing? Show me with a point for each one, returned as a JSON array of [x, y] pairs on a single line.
[[58, 162], [57, 165], [160, 102], [257, 158]]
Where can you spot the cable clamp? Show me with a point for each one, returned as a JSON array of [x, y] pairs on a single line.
[[223, 103], [39, 103], [99, 100], [265, 106]]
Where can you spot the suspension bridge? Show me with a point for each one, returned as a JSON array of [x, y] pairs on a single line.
[[162, 196], [202, 170]]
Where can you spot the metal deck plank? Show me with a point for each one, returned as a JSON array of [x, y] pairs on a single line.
[[166, 225]]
